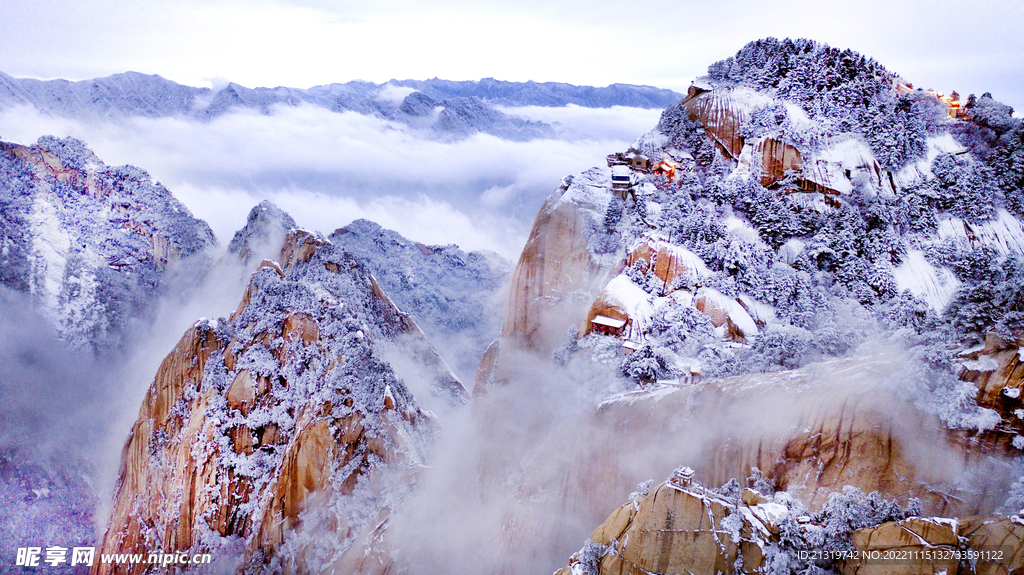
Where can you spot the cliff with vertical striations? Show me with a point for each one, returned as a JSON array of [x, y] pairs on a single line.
[[278, 438]]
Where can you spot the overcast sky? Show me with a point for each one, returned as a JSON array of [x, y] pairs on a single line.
[[967, 46]]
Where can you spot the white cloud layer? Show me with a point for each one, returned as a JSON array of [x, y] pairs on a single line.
[[327, 168]]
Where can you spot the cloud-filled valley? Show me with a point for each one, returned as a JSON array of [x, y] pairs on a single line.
[[329, 168]]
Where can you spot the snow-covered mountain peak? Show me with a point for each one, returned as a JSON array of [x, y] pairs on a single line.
[[89, 242], [264, 230]]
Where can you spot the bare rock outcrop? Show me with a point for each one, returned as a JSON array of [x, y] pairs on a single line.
[[558, 273], [672, 264], [675, 530], [922, 545], [813, 431], [682, 527], [810, 432], [1002, 541], [277, 438], [721, 115], [996, 368]]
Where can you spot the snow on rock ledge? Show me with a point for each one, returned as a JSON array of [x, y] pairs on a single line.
[[725, 311]]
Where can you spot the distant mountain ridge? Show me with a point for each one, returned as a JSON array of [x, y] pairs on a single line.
[[448, 108], [546, 93]]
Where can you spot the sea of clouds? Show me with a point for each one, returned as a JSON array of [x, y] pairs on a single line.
[[328, 168]]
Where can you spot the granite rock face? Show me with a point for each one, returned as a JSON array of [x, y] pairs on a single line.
[[277, 437], [687, 528]]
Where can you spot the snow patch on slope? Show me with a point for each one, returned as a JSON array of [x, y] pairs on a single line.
[[838, 164], [50, 247], [921, 278], [1004, 233], [922, 169]]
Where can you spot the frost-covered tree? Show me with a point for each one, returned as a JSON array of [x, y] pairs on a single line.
[[682, 329], [964, 187], [647, 364], [698, 230], [825, 81], [991, 297], [851, 510], [895, 130], [613, 214], [783, 345], [908, 311], [989, 113], [1008, 166]]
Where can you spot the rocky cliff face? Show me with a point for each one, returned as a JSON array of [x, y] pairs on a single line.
[[774, 223], [815, 430], [89, 242], [278, 438], [557, 276], [995, 368], [682, 527]]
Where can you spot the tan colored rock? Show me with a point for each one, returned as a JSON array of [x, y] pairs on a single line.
[[1000, 542], [777, 158], [725, 311], [554, 263], [222, 451], [671, 262], [909, 539], [300, 327], [679, 530], [1001, 388], [242, 392], [676, 530], [615, 526], [554, 281], [272, 265], [721, 117], [812, 431], [751, 497], [299, 246]]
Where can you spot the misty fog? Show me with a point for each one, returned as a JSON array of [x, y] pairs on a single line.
[[328, 168], [519, 478], [65, 415]]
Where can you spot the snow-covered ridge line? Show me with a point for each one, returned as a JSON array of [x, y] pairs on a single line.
[[134, 94]]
